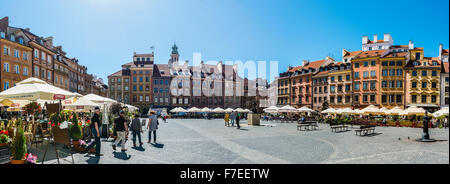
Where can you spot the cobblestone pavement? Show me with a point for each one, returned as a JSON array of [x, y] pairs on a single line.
[[210, 142]]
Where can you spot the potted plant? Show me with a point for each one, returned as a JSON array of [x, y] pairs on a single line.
[[31, 159], [75, 132], [19, 146], [5, 149]]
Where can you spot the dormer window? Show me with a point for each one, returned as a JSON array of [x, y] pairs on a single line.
[[21, 41], [2, 34], [41, 42], [415, 63], [424, 63], [138, 59], [435, 63], [13, 38]]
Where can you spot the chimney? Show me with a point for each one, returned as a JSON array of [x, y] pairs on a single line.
[[375, 38], [4, 22], [49, 40], [387, 37], [410, 45], [440, 50], [27, 29], [365, 39]]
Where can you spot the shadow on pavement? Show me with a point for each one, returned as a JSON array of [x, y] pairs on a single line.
[[243, 129], [157, 145], [92, 159], [121, 155], [140, 148]]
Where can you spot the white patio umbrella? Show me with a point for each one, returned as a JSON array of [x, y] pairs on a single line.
[[218, 110], [329, 111], [130, 107], [347, 110], [414, 110], [271, 109], [287, 108], [395, 111], [442, 112], [239, 110], [175, 110], [305, 109], [371, 109], [81, 104], [247, 110], [229, 110], [34, 89], [99, 99], [206, 109], [194, 109]]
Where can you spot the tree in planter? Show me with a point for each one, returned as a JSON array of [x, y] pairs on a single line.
[[75, 129], [19, 144]]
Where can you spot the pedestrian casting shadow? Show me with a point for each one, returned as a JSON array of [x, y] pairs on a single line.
[[92, 159], [140, 148], [157, 145], [121, 155]]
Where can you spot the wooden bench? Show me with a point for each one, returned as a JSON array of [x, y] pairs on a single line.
[[308, 125], [365, 130], [338, 127]]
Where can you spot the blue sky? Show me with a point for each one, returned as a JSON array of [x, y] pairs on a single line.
[[103, 34]]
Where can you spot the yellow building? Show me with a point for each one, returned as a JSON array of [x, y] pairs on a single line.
[[284, 89], [393, 77], [423, 78]]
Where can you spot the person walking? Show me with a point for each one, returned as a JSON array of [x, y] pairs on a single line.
[[120, 124], [152, 127], [232, 118], [227, 119], [238, 117], [136, 129], [94, 126]]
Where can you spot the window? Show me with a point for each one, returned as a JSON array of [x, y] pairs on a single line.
[[435, 63], [118, 79], [433, 99], [332, 79], [414, 99], [356, 65], [372, 73], [365, 74], [134, 88], [373, 63], [347, 99], [25, 71], [384, 84], [6, 86], [399, 98], [126, 88], [357, 86], [392, 63], [16, 69], [414, 85], [424, 73], [372, 98], [16, 53], [147, 98], [332, 99], [347, 77], [391, 99], [424, 99], [399, 72], [340, 78], [49, 75], [366, 64], [424, 84], [43, 56], [383, 98], [339, 99], [391, 84], [356, 98], [141, 98], [365, 98], [6, 67], [365, 85], [134, 79], [385, 63], [372, 85], [13, 38], [434, 73], [433, 85], [347, 87], [392, 72], [2, 34], [414, 73], [6, 51], [155, 90], [356, 74], [384, 73], [141, 88], [399, 63], [399, 84]]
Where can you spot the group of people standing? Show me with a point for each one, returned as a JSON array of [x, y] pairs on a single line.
[[233, 117], [122, 127]]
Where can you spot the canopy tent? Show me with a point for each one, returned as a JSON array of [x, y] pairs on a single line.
[[305, 109], [287, 108], [372, 110], [99, 99], [33, 89], [194, 109], [395, 111], [271, 109], [229, 110], [206, 109], [329, 111], [82, 104], [442, 112], [218, 110], [413, 110]]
